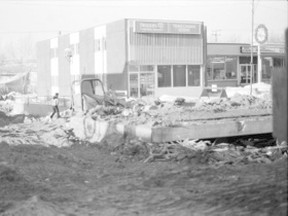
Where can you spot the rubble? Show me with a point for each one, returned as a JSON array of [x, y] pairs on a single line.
[[233, 152], [39, 133], [6, 106], [154, 113]]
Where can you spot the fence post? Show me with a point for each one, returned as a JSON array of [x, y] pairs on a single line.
[[279, 95]]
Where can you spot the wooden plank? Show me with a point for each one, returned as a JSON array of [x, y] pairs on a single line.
[[280, 102], [214, 129]]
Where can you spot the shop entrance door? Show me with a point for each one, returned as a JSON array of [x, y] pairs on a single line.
[[134, 85], [245, 74], [147, 84], [141, 84]]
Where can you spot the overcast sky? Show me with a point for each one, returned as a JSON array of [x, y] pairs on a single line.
[[230, 20]]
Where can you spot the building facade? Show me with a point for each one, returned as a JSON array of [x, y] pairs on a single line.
[[229, 64], [140, 57]]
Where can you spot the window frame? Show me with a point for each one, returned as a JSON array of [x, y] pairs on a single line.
[[210, 65], [171, 76], [185, 75]]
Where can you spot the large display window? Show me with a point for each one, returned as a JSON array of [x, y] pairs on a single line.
[[179, 75], [222, 68], [164, 76], [193, 75]]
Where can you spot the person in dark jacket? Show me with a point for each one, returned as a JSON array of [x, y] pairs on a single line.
[[55, 104]]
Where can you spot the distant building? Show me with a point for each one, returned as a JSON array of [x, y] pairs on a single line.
[[141, 57], [229, 64]]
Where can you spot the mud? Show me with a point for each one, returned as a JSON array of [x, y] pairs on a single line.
[[99, 180]]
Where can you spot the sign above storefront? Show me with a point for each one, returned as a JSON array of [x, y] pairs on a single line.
[[247, 49], [263, 49], [167, 28]]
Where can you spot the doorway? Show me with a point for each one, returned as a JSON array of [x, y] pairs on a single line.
[[141, 84], [245, 74]]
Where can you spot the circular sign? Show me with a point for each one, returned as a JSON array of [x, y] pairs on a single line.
[[261, 34]]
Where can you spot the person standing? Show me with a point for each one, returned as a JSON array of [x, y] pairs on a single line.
[[55, 107]]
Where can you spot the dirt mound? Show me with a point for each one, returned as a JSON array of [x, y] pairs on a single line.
[[33, 207], [13, 186], [7, 120]]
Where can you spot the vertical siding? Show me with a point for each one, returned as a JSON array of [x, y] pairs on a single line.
[[148, 48], [43, 68], [86, 51], [64, 67]]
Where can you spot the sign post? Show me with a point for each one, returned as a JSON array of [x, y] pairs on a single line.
[[261, 38], [259, 63]]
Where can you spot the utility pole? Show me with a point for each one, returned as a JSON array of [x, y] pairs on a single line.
[[251, 61], [216, 33]]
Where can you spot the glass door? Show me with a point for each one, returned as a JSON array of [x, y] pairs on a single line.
[[134, 84], [245, 74], [147, 83]]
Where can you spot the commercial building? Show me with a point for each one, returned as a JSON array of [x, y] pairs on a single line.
[[139, 57], [229, 64]]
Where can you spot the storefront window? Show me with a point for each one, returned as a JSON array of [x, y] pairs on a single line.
[[179, 75], [164, 76], [218, 71], [209, 69], [278, 62], [231, 67], [193, 75], [222, 68], [266, 67]]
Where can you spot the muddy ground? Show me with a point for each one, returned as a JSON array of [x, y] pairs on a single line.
[[97, 180], [45, 170]]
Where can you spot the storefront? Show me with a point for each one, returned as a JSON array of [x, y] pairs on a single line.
[[230, 64], [165, 57]]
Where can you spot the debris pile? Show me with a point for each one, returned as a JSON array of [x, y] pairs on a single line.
[[6, 106], [7, 120], [238, 101], [204, 151], [39, 133]]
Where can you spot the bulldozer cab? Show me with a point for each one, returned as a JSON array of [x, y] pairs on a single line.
[[87, 93]]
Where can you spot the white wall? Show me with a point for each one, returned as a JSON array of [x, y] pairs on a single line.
[[54, 68], [75, 60], [100, 56]]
